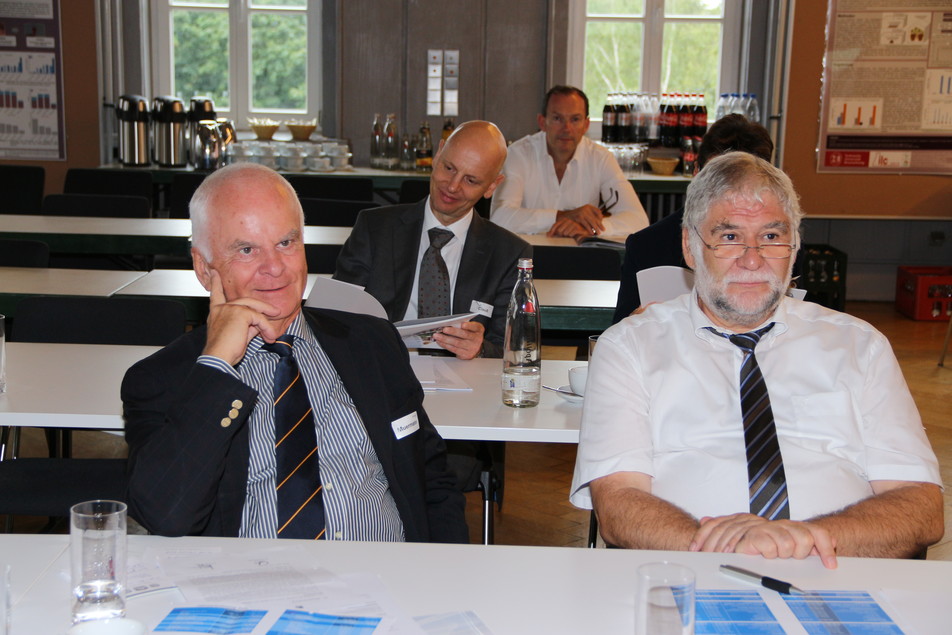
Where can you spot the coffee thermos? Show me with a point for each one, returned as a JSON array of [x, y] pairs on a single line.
[[207, 147], [169, 148], [199, 109], [132, 111]]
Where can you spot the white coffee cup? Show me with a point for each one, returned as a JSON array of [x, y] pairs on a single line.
[[577, 378]]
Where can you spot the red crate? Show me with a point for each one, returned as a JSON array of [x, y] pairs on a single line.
[[924, 293]]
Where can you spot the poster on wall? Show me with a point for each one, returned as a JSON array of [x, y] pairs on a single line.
[[31, 81], [886, 104]]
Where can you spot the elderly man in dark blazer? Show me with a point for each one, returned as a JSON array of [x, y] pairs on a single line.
[[202, 415], [387, 245]]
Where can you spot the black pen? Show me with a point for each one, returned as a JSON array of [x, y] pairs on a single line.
[[769, 583]]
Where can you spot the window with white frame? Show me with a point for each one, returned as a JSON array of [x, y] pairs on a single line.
[[654, 46], [253, 58]]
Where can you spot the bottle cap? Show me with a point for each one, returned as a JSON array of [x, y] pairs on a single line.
[[525, 263]]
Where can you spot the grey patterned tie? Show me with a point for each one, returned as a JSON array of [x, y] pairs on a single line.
[[766, 479], [433, 297]]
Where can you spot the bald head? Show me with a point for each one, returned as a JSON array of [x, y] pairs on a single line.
[[235, 182], [467, 167]]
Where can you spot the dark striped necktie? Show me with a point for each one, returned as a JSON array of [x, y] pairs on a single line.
[[766, 479], [433, 295], [298, 477]]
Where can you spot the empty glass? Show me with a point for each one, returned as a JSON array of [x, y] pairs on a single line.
[[665, 602]]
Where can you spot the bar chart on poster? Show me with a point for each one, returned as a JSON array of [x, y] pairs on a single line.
[[31, 114]]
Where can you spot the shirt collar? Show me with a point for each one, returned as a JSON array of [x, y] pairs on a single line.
[[459, 228], [702, 323]]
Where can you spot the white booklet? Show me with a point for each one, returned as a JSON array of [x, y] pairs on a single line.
[[328, 293]]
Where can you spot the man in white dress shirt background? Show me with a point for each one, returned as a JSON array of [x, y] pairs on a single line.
[[561, 183], [663, 455]]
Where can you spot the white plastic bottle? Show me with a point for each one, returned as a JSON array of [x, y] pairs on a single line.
[[753, 109], [521, 351]]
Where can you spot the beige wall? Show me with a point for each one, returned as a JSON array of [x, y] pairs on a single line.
[[853, 195]]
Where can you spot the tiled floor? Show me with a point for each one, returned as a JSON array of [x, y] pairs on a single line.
[[535, 507]]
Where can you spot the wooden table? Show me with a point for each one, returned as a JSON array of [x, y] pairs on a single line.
[[17, 283]]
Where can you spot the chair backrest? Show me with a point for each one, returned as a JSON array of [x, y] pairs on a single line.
[[103, 181], [413, 190], [22, 187], [321, 258], [575, 263], [339, 187], [108, 205], [332, 212], [96, 320], [24, 253], [184, 185]]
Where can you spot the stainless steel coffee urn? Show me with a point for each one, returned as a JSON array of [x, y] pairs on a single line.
[[207, 146], [132, 111], [169, 149], [199, 109]]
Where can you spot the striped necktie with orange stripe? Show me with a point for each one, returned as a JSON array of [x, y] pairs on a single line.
[[298, 477]]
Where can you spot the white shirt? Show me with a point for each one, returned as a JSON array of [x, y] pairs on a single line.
[[662, 399], [528, 199], [452, 252]]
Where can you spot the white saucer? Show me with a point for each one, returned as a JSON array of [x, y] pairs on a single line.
[[114, 626], [570, 398]]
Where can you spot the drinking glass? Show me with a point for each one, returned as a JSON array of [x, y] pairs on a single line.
[[97, 543], [665, 603], [5, 601]]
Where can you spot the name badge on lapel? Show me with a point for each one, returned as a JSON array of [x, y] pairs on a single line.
[[406, 425], [486, 310]]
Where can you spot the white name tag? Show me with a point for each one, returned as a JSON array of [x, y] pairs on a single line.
[[486, 310], [405, 425]]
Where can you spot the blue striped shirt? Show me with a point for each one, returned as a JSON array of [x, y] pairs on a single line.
[[358, 504]]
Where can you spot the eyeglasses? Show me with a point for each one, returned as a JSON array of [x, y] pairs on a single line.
[[771, 251]]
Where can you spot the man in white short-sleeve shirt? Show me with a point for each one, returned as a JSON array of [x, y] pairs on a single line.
[[662, 456], [561, 183]]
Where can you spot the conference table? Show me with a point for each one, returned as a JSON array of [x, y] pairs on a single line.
[[17, 283], [584, 305], [507, 590], [87, 379]]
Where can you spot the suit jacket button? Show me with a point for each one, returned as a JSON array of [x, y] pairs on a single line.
[[233, 413], [237, 403], [225, 422]]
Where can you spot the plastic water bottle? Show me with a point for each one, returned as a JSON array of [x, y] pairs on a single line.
[[521, 352], [721, 108], [753, 109], [737, 105]]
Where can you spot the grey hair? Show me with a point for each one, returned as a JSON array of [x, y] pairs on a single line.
[[198, 206], [737, 174]]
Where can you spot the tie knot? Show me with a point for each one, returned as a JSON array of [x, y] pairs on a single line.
[[747, 341], [282, 346], [439, 237]]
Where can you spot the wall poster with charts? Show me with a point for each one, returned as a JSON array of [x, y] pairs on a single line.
[[31, 81], [886, 105]]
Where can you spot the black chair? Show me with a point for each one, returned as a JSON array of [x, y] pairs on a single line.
[[576, 263], [413, 190], [24, 253], [339, 187], [332, 212], [321, 258], [112, 182], [49, 487], [183, 187], [480, 466], [22, 187], [106, 205]]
